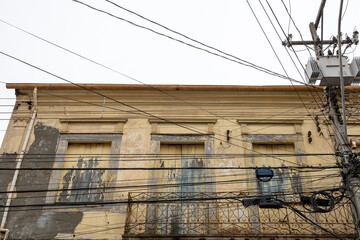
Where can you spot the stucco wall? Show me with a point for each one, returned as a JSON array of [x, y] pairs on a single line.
[[226, 110]]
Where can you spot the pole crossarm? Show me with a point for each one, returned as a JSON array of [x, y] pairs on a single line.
[[312, 42]]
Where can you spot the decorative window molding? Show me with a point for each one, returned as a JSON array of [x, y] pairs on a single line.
[[250, 140], [63, 142], [208, 141], [350, 123], [296, 125], [92, 125], [159, 126], [269, 121], [156, 141]]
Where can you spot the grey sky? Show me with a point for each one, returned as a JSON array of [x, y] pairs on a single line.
[[227, 25]]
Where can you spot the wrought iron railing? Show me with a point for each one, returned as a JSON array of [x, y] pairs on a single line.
[[222, 214]]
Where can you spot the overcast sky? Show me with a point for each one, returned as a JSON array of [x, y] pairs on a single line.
[[227, 25]]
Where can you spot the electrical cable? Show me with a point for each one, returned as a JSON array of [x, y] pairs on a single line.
[[154, 168], [289, 18], [277, 55], [117, 109], [156, 179], [99, 63], [167, 187], [113, 70], [173, 31], [127, 188], [347, 3], [293, 49], [242, 62], [122, 103], [309, 220], [225, 204], [69, 204], [108, 67]]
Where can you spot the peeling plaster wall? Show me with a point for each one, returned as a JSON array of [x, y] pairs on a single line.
[[39, 223], [137, 138], [7, 160]]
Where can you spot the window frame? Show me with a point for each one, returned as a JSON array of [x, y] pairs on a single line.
[[250, 138], [155, 143], [207, 140], [63, 142], [296, 139]]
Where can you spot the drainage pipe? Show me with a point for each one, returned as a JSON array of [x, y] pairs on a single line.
[[18, 163]]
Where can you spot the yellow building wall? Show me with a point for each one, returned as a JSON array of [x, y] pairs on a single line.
[[246, 114]]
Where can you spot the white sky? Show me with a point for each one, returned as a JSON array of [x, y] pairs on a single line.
[[227, 25]]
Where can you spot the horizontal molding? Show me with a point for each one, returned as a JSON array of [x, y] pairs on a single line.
[[270, 121], [108, 125], [182, 134], [186, 120], [93, 120], [66, 86], [351, 121]]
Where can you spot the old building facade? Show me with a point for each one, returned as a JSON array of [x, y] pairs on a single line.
[[171, 162]]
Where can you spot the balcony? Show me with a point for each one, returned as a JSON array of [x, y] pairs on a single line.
[[223, 216]]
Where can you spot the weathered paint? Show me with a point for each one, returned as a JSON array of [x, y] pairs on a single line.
[[37, 223], [208, 143], [6, 160], [83, 179], [141, 135]]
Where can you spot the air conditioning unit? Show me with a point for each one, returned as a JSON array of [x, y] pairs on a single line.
[[312, 71], [355, 70]]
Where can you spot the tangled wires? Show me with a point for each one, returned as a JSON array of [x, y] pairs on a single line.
[[322, 201]]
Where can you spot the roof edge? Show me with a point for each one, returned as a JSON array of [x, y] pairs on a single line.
[[66, 86]]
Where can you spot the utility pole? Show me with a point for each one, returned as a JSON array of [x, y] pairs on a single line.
[[335, 81]]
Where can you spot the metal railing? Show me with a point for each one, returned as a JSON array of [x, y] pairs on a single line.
[[223, 214]]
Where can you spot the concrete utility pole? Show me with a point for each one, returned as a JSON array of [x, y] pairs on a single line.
[[350, 163]]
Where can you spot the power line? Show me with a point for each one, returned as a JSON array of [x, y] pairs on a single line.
[[294, 53], [51, 168], [176, 32], [118, 110], [309, 220], [72, 52], [151, 156], [234, 137], [268, 40], [127, 112], [122, 103], [240, 61], [347, 3], [290, 18], [189, 183], [164, 185], [158, 169], [104, 66], [154, 182], [69, 204]]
